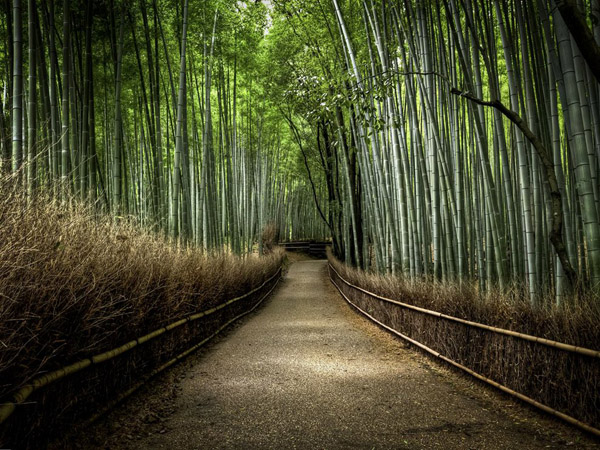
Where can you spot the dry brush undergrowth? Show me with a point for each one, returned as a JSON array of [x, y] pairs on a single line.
[[565, 381], [73, 284], [576, 324]]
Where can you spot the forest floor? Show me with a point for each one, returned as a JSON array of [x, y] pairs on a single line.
[[306, 371]]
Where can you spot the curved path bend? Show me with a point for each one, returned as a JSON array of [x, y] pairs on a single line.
[[306, 371]]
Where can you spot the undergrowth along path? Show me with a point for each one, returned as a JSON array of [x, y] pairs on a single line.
[[308, 372]]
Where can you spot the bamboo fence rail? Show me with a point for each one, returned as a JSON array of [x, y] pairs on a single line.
[[526, 337], [313, 248], [119, 398], [559, 345], [6, 409]]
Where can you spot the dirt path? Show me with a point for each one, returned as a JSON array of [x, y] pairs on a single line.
[[308, 372]]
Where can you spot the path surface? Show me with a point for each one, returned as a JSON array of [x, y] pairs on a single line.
[[308, 372]]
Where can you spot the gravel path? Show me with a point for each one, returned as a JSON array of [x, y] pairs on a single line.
[[308, 372]]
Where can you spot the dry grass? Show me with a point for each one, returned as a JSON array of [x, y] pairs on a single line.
[[269, 237], [564, 381], [512, 310], [73, 285]]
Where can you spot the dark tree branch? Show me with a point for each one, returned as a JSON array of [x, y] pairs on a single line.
[[294, 129], [548, 169]]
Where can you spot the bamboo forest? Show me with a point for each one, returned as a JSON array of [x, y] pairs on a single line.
[[165, 164]]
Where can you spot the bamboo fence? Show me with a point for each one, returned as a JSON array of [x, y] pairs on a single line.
[[7, 408], [334, 274]]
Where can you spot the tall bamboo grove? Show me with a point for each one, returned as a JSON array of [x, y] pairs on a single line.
[[146, 110], [463, 136]]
